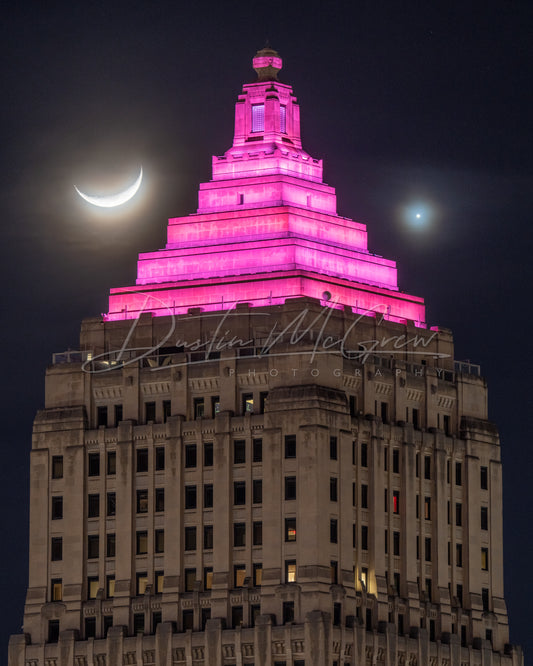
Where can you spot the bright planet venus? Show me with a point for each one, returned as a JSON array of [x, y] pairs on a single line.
[[113, 200]]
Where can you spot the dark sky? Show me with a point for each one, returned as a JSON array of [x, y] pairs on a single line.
[[405, 101]]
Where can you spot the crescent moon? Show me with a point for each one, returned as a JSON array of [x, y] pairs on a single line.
[[112, 200]]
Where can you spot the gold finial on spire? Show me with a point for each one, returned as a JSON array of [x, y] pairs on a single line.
[[267, 64]]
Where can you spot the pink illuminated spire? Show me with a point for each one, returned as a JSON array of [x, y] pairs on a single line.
[[266, 228]]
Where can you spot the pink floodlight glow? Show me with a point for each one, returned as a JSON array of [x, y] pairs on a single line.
[[266, 230]]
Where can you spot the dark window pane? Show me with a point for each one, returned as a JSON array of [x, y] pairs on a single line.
[[57, 467], [290, 446], [149, 411], [290, 487], [257, 455], [208, 495], [142, 460], [190, 538], [159, 458], [239, 451], [93, 464], [190, 497], [190, 455], [159, 499], [208, 454]]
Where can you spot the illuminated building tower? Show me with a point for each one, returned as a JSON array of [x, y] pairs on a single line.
[[261, 454]]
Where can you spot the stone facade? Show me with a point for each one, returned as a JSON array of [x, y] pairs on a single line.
[[286, 483]]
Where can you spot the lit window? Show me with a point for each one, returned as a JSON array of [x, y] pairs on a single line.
[[110, 586], [364, 577], [142, 582], [396, 501], [427, 508], [159, 581], [142, 501], [208, 578], [258, 575], [283, 119], [290, 529], [248, 403], [142, 543], [215, 405], [56, 589], [92, 587], [258, 118], [239, 574], [290, 571], [485, 559]]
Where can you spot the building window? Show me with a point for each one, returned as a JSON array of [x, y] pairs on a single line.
[[417, 465], [386, 500], [427, 467], [167, 410], [334, 572], [427, 508], [485, 598], [257, 533], [93, 506], [101, 416], [459, 555], [458, 514], [239, 574], [418, 547], [56, 550], [485, 559], [290, 446], [333, 448], [159, 581], [142, 460], [149, 412], [428, 589], [459, 594], [110, 586], [364, 455], [92, 587], [208, 537], [107, 624], [290, 529], [208, 578], [239, 535], [199, 408], [208, 454], [484, 518], [447, 426], [364, 577], [187, 617], [157, 618], [416, 419], [57, 467], [385, 458], [283, 119], [138, 623], [258, 575], [386, 542], [190, 579], [110, 545], [159, 541], [215, 405], [159, 458], [57, 507], [484, 478], [93, 464], [190, 537], [190, 455], [333, 530], [159, 499], [237, 617], [56, 589], [111, 463], [262, 401], [239, 452], [141, 580], [247, 403], [395, 461], [258, 117], [396, 543], [290, 487], [118, 414], [190, 497], [364, 537], [53, 631], [458, 474], [93, 546], [142, 543], [239, 492], [288, 611], [333, 494], [90, 627], [257, 450], [290, 571], [142, 501], [257, 491], [427, 549], [396, 501], [208, 496], [364, 496]]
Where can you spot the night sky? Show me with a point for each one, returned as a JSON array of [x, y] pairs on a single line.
[[420, 103]]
